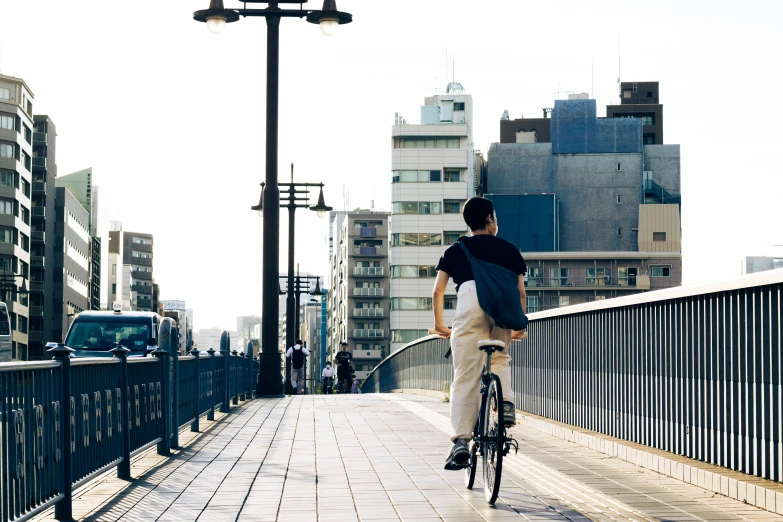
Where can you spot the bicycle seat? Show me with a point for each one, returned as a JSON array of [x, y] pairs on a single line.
[[491, 345]]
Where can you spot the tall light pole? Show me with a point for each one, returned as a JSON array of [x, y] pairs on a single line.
[[329, 18]]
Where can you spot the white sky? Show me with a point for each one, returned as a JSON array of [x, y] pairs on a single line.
[[171, 117]]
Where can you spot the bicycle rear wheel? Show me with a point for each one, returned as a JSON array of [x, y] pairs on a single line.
[[470, 472], [492, 438]]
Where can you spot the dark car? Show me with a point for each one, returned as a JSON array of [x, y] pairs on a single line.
[[95, 334]]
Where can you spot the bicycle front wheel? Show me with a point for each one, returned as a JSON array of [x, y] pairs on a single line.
[[492, 438]]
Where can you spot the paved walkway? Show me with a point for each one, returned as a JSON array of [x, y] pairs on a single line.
[[380, 458]]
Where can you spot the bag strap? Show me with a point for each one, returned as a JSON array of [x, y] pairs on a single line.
[[465, 249]]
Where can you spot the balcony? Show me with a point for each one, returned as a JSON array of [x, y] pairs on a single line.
[[36, 311], [39, 187], [36, 286], [369, 251], [368, 312], [367, 354], [631, 283], [38, 235], [368, 334], [39, 162], [138, 274], [141, 248], [39, 212], [368, 232], [33, 335], [370, 271], [368, 292], [39, 137], [142, 289], [141, 261], [37, 261]]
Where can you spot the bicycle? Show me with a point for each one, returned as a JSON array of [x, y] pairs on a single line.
[[490, 438]]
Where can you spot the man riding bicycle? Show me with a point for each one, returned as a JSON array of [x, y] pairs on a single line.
[[472, 324]]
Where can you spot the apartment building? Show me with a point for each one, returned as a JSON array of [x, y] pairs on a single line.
[[131, 280], [359, 281], [433, 174], [16, 164]]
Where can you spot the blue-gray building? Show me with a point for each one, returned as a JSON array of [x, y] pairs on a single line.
[[596, 212]]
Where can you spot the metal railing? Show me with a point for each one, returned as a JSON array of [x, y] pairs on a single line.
[[691, 371], [368, 333], [62, 422], [368, 270], [368, 292], [368, 312], [583, 282]]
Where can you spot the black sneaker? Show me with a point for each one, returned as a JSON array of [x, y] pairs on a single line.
[[509, 414], [459, 456]]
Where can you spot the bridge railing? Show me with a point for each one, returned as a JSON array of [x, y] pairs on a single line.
[[63, 422], [692, 371]]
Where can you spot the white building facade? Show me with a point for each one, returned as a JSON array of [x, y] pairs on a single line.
[[433, 174]]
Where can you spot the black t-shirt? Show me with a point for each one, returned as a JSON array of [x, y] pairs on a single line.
[[491, 249], [342, 357]]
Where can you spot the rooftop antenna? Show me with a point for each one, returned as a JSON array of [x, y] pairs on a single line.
[[453, 66], [619, 58], [345, 202], [592, 77]]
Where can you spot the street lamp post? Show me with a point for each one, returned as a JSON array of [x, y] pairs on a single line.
[[216, 17]]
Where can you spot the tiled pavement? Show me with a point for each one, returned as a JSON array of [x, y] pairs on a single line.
[[380, 458]]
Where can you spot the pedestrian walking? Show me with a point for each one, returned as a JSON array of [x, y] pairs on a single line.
[[297, 354], [343, 360], [354, 384], [327, 378]]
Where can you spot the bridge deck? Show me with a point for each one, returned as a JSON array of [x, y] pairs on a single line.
[[380, 458]]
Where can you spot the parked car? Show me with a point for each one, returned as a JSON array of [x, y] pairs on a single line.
[[95, 334]]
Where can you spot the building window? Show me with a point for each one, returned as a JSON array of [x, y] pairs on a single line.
[[452, 175], [415, 176], [140, 241], [564, 300], [649, 139], [413, 271], [6, 235], [417, 207], [6, 151], [411, 303], [453, 206], [7, 122], [649, 94], [25, 188], [416, 142], [450, 302], [25, 215], [619, 199], [626, 93], [619, 231], [416, 239], [532, 303], [648, 119], [619, 167], [459, 106], [659, 236], [5, 94], [626, 276], [660, 271], [25, 242], [7, 207], [7, 179], [449, 238], [407, 336], [558, 276], [595, 276]]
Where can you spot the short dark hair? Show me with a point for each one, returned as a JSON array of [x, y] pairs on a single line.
[[475, 213], [328, 362], [298, 341], [343, 343]]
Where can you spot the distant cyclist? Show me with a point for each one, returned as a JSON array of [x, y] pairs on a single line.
[[327, 378], [472, 324], [343, 362]]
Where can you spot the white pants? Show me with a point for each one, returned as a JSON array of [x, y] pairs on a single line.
[[471, 325], [295, 376]]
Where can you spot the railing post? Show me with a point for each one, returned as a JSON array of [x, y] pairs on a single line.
[[250, 367], [242, 376], [164, 446], [123, 468], [211, 412], [63, 510], [224, 347], [173, 350], [236, 377], [197, 408]]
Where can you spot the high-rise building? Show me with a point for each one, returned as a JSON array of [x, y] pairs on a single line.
[[595, 213], [130, 270], [72, 265], [80, 185], [16, 164], [359, 282], [433, 174], [42, 238]]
